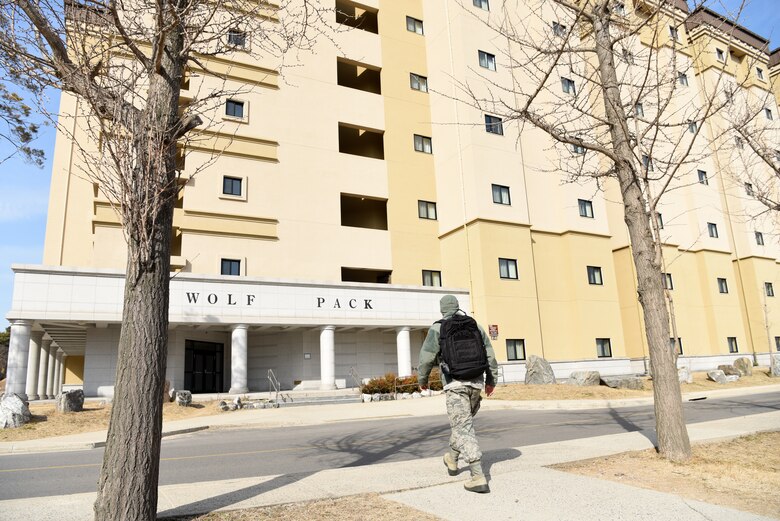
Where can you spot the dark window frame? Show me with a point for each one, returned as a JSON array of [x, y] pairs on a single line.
[[511, 350]]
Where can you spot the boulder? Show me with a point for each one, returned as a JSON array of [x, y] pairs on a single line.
[[232, 406], [171, 394], [70, 401], [13, 412], [623, 382], [732, 378], [774, 365], [582, 378], [376, 397], [538, 371], [221, 404], [183, 398], [365, 397], [416, 395], [238, 403], [744, 366], [717, 376], [728, 370], [684, 375], [406, 396]]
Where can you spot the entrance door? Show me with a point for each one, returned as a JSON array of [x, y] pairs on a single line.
[[203, 366]]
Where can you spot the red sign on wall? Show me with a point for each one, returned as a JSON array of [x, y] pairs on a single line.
[[493, 331]]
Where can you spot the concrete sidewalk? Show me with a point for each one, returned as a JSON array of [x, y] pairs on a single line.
[[320, 414], [522, 487]]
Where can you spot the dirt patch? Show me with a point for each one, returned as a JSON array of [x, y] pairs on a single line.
[[602, 392], [352, 508], [47, 422], [743, 473]]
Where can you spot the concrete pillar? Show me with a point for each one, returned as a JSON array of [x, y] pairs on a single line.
[[238, 360], [404, 348], [58, 373], [33, 356], [43, 367], [18, 348], [327, 358], [50, 371]]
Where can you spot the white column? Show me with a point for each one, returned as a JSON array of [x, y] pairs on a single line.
[[43, 367], [33, 355], [327, 358], [50, 371], [58, 373], [238, 360], [62, 371], [404, 348], [18, 347]]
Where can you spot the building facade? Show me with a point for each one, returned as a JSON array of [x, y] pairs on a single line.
[[353, 192]]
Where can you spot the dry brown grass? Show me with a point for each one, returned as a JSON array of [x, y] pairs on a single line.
[[743, 473], [47, 422], [602, 392], [352, 508]]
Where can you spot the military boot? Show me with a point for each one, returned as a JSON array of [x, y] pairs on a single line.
[[478, 482], [451, 462]]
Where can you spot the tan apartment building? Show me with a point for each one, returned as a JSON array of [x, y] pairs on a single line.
[[353, 192]]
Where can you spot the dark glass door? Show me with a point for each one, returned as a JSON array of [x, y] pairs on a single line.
[[203, 366]]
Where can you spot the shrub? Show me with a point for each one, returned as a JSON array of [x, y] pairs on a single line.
[[390, 383]]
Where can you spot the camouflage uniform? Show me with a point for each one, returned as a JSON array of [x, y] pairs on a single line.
[[463, 397]]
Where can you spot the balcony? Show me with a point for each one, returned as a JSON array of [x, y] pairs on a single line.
[[360, 76], [363, 212], [360, 141], [366, 275], [357, 16]]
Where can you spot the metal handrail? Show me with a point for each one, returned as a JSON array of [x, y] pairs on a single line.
[[355, 377], [273, 383]]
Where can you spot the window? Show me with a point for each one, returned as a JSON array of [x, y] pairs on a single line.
[[760, 73], [231, 185], [749, 188], [231, 267], [578, 149], [668, 282], [568, 86], [769, 115], [659, 219], [769, 289], [237, 37], [431, 278], [603, 348], [639, 110], [501, 194], [507, 268], [759, 238], [676, 346], [482, 4], [414, 25], [682, 79], [234, 109], [733, 347], [703, 177], [426, 210], [692, 127], [777, 343], [423, 144], [712, 229], [487, 60], [739, 142], [494, 125], [647, 162], [515, 349], [723, 286], [720, 54], [674, 33], [559, 29], [418, 82], [594, 276], [586, 208]]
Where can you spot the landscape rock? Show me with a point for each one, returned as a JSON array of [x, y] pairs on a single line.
[[224, 407], [684, 375], [183, 398], [775, 365], [732, 377], [221, 404], [538, 371], [416, 395], [365, 397], [232, 406], [406, 396], [744, 365], [728, 370], [70, 401], [376, 397], [717, 376], [583, 378], [623, 382], [13, 412], [237, 402], [171, 394]]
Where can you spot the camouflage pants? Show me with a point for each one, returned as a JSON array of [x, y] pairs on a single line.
[[462, 406]]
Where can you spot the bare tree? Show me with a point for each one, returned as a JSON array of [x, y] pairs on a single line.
[[16, 128], [612, 87], [126, 61]]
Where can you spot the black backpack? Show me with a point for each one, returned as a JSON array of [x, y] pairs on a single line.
[[462, 352]]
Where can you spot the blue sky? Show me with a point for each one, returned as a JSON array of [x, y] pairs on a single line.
[[24, 189]]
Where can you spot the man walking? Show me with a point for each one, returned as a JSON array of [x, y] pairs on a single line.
[[466, 357]]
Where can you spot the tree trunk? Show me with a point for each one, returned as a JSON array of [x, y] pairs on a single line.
[[673, 442], [127, 488]]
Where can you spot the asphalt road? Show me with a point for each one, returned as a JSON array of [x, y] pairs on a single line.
[[225, 454]]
